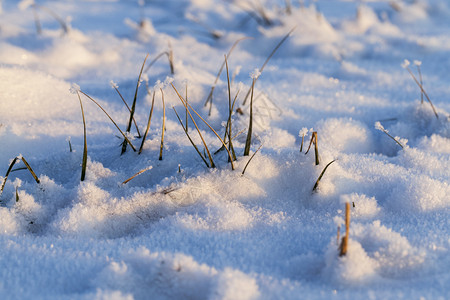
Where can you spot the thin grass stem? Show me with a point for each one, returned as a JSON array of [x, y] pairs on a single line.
[[84, 161], [423, 91], [137, 174], [248, 141], [316, 185], [344, 245], [163, 126], [129, 110], [148, 124], [248, 162]]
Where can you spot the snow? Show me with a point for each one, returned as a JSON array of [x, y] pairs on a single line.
[[180, 230]]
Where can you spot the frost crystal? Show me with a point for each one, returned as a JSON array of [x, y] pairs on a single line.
[[158, 85], [255, 74], [113, 84], [168, 80], [303, 132], [75, 88], [417, 62], [405, 63], [378, 126], [144, 77]]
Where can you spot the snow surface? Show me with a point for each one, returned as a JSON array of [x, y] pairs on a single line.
[[182, 231]]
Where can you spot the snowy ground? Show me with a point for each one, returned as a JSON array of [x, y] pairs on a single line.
[[181, 230]]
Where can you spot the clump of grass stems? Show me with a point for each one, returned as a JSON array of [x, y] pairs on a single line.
[[84, 162], [133, 108], [118, 128], [14, 161], [209, 99], [268, 58], [116, 88], [137, 174], [316, 147], [381, 128], [204, 121], [148, 122], [248, 162], [344, 244], [406, 66], [316, 185], [257, 12], [163, 126]]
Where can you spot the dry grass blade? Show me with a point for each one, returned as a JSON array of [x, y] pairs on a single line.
[[423, 91], [344, 244], [316, 147], [210, 96], [138, 173], [186, 105], [148, 124], [269, 57], [207, 124], [316, 185], [84, 162], [189, 137], [248, 141], [7, 173], [61, 22], [230, 112], [17, 195], [246, 165], [170, 57], [129, 110], [380, 127], [163, 126], [133, 106], [30, 169], [123, 134]]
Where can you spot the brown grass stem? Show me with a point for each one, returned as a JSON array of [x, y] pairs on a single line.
[[316, 147], [163, 126], [148, 124], [137, 174], [84, 161], [13, 162], [129, 110], [344, 244], [230, 112], [248, 162], [248, 141], [316, 185], [423, 91]]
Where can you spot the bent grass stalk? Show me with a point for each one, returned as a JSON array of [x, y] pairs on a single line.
[[207, 124], [248, 162], [230, 112], [14, 161], [269, 57], [316, 185], [123, 134], [190, 139], [148, 124], [210, 95], [133, 107], [163, 126], [84, 162], [316, 147]]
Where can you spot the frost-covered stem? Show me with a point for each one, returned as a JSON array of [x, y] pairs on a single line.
[[380, 127], [316, 147], [163, 126], [421, 83], [250, 124], [7, 174], [423, 91], [344, 245]]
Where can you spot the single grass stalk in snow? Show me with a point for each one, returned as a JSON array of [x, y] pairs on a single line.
[[115, 87], [381, 128], [268, 58], [418, 63], [170, 57], [186, 98], [133, 107], [35, 7], [84, 162], [316, 185], [118, 128], [230, 112], [210, 95], [344, 244], [406, 66], [148, 124], [168, 54], [17, 195], [70, 145], [163, 126], [14, 161], [207, 124], [316, 147], [248, 162], [190, 139], [338, 235], [226, 127], [248, 141], [137, 174]]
